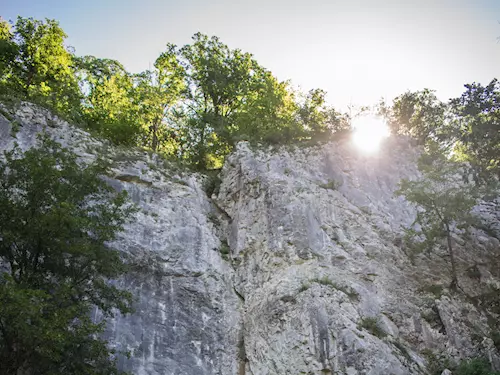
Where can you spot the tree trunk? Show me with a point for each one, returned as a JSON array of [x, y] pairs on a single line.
[[454, 278], [201, 162], [154, 142], [29, 78]]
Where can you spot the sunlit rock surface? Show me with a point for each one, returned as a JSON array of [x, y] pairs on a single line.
[[295, 266]]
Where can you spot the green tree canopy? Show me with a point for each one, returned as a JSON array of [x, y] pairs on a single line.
[[56, 218], [38, 66], [476, 128], [157, 91], [319, 119], [108, 108], [230, 97], [419, 114], [8, 52]]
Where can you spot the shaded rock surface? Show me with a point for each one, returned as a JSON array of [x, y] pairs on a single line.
[[296, 266]]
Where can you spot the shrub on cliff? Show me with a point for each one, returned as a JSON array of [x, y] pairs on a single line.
[[56, 217]]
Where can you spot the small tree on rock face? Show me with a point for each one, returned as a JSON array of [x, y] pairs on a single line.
[[55, 220], [444, 202]]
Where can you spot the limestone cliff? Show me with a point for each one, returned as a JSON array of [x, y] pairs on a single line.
[[295, 265]]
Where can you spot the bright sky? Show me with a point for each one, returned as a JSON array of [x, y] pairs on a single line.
[[357, 50]]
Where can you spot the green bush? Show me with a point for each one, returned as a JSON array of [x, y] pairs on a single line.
[[324, 281], [225, 250], [434, 289], [371, 325], [212, 183], [476, 366], [436, 363], [330, 185], [304, 287]]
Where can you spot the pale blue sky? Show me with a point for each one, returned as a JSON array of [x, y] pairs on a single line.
[[357, 50]]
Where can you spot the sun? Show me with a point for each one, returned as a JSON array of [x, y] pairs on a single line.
[[369, 132]]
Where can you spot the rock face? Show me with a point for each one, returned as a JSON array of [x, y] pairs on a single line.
[[295, 266]]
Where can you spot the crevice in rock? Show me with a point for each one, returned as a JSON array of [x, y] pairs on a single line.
[[238, 294], [242, 356], [221, 211]]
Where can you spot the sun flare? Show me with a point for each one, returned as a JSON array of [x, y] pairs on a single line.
[[369, 132]]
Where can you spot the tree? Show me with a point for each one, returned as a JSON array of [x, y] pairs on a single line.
[[268, 113], [40, 67], [109, 108], [476, 128], [230, 97], [444, 203], [8, 52], [56, 218], [318, 119], [217, 81], [157, 91], [418, 114]]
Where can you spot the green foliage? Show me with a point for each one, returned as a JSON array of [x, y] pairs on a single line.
[[8, 51], [108, 107], [436, 363], [37, 66], [444, 202], [225, 250], [330, 185], [350, 292], [417, 114], [468, 125], [371, 325], [324, 281], [435, 290], [14, 127], [212, 183], [475, 126], [156, 93], [476, 366], [318, 118], [229, 97], [304, 287], [195, 104], [56, 218]]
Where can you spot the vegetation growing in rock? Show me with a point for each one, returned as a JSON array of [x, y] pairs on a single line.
[[56, 218], [324, 281], [437, 363], [476, 366], [434, 289], [330, 185], [225, 250], [372, 325], [444, 204]]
